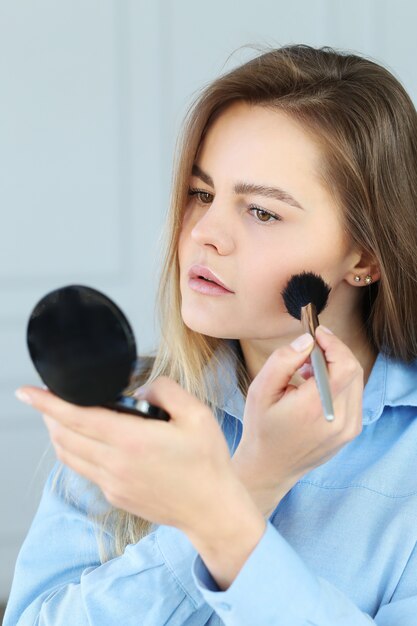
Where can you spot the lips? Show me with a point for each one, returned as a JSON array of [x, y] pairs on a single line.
[[199, 271]]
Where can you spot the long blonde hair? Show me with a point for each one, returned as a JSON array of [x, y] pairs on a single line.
[[366, 126]]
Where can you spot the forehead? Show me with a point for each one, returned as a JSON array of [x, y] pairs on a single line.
[[262, 141], [265, 146]]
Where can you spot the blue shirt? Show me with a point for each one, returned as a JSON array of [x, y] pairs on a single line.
[[339, 549]]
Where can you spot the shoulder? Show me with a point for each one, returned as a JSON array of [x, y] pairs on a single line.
[[400, 384]]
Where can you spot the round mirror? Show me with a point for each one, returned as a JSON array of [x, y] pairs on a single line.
[[84, 349]]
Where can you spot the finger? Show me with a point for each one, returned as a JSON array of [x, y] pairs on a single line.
[[98, 423], [305, 371], [92, 472], [342, 364], [344, 372], [78, 445], [170, 396], [272, 380], [347, 405]]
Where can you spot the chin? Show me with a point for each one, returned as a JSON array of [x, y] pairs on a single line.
[[205, 327]]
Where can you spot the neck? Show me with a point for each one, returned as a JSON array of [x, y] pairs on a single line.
[[256, 352]]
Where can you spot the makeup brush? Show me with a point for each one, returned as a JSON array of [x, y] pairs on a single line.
[[305, 296]]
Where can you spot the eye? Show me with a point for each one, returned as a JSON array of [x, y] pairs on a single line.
[[204, 197], [265, 216]]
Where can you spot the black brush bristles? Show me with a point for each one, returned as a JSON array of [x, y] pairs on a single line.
[[303, 289]]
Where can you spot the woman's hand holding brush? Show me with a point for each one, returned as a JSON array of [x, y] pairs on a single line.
[[284, 433]]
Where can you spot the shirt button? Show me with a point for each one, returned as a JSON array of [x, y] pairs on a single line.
[[224, 605]]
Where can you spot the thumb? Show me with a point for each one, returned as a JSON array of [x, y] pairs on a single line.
[[272, 380], [170, 396]]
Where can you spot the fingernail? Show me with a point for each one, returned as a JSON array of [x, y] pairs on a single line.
[[23, 396], [325, 329], [302, 342], [304, 369]]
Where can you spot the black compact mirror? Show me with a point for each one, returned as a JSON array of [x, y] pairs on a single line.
[[84, 350]]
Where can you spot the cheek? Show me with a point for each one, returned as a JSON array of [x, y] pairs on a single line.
[[182, 247], [267, 275], [187, 225], [264, 282]]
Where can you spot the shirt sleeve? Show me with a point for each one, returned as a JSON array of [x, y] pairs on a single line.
[[59, 579], [274, 586]]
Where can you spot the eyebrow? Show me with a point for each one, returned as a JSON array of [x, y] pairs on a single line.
[[250, 188]]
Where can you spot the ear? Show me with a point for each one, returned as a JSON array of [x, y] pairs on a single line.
[[365, 267]]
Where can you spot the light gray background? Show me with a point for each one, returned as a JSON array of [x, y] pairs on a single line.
[[91, 99]]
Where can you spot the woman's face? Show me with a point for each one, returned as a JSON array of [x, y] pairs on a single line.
[[254, 238]]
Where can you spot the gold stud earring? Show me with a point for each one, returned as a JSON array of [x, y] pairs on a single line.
[[357, 279], [368, 279]]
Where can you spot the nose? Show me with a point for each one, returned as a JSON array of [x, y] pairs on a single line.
[[215, 229]]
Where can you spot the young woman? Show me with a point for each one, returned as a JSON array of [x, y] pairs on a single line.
[[249, 508]]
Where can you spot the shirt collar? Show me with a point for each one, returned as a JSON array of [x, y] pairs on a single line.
[[391, 383], [231, 399]]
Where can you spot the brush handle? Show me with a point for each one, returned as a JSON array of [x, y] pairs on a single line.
[[322, 380], [310, 322]]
